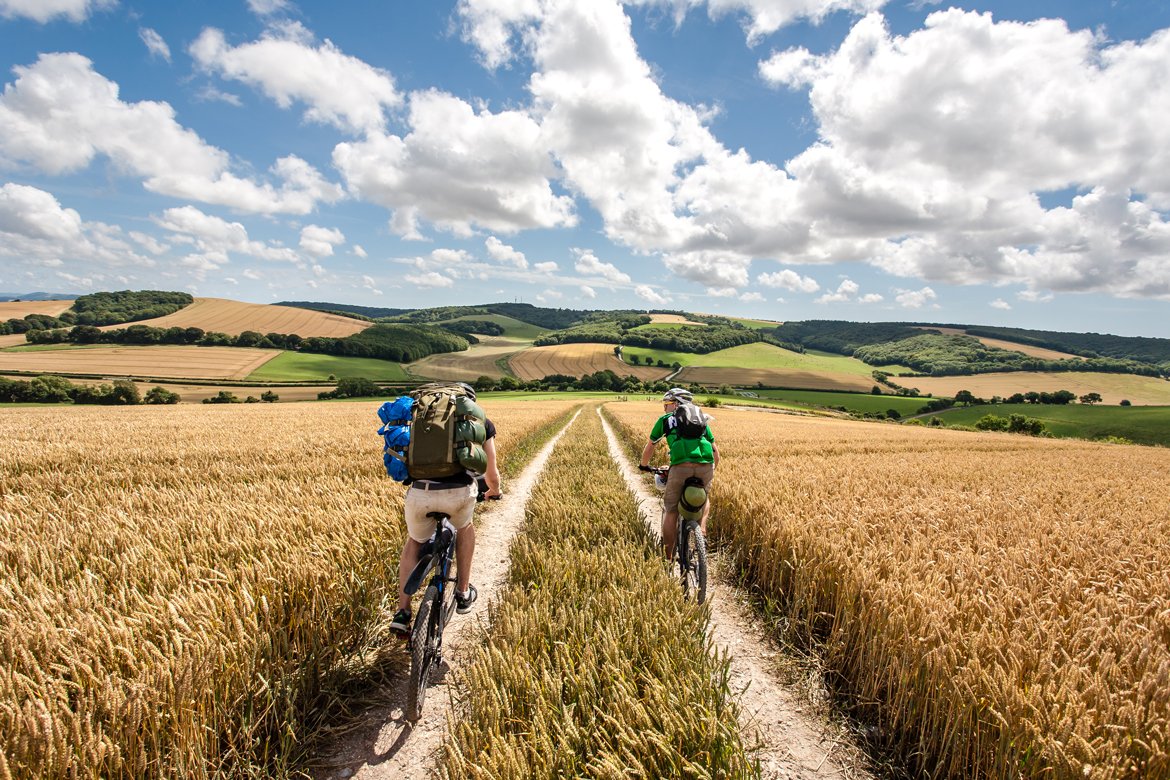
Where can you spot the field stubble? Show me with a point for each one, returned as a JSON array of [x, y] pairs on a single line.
[[992, 606], [186, 589]]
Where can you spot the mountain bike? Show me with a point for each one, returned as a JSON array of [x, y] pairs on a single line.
[[690, 548], [434, 611]]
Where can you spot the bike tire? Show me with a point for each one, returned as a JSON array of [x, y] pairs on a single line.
[[692, 563], [422, 652]]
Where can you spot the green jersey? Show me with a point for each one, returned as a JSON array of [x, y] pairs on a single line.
[[683, 450]]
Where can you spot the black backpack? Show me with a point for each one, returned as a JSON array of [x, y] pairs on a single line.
[[689, 420]]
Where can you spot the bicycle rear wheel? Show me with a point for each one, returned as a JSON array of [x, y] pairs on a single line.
[[692, 562], [423, 646]]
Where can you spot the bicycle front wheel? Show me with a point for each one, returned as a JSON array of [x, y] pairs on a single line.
[[692, 562], [423, 646]]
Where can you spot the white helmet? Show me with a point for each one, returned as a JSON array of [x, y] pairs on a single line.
[[677, 394]]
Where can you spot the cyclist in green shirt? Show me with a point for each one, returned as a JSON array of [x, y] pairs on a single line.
[[688, 458]]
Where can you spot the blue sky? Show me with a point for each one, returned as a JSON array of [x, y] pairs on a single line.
[[982, 162]]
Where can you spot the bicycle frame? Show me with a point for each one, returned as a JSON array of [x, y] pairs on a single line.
[[426, 634]]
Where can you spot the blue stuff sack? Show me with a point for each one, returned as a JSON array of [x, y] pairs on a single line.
[[395, 416], [396, 412]]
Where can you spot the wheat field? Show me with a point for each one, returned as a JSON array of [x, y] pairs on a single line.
[[185, 589], [993, 605], [576, 360]]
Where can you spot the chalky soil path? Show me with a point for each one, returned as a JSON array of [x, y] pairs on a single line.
[[795, 741], [384, 745]]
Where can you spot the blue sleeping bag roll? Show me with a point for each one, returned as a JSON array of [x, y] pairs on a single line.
[[395, 416]]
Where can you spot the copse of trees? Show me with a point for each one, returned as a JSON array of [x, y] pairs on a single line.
[[115, 308], [52, 389], [466, 327]]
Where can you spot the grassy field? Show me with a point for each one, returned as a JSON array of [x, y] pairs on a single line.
[[309, 367], [487, 358], [854, 402], [762, 355], [513, 328], [1140, 424]]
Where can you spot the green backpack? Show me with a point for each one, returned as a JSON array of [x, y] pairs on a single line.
[[446, 432]]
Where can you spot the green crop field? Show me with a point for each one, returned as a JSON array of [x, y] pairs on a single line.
[[854, 402], [1139, 424], [754, 324], [513, 328], [309, 367], [760, 355]]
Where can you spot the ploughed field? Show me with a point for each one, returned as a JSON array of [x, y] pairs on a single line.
[[481, 359], [187, 590], [995, 605], [577, 360], [172, 362]]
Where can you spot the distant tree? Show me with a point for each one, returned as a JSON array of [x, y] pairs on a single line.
[[966, 397], [1091, 398], [249, 338], [1125, 402], [1032, 397], [269, 397], [356, 387], [222, 397], [251, 400], [124, 393], [875, 390], [160, 395], [617, 351], [893, 414], [634, 360], [49, 389]]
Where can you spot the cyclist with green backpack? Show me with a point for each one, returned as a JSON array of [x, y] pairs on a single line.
[[447, 483], [692, 454]]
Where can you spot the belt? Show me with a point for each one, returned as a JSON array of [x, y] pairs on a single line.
[[438, 485]]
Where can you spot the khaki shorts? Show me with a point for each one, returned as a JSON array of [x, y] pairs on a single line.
[[677, 479], [458, 502]]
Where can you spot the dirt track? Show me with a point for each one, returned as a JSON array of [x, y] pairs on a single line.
[[384, 746], [795, 739]]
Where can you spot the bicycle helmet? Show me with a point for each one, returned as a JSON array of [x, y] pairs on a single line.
[[677, 394], [468, 389]]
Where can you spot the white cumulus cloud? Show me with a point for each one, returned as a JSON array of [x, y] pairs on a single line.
[[430, 279], [650, 295], [789, 280], [915, 299], [587, 264], [46, 10], [1000, 303], [287, 65], [319, 241], [60, 114], [504, 254]]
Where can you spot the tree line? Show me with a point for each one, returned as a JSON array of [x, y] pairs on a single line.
[[394, 342], [51, 389]]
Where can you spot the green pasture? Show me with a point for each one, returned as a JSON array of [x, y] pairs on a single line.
[[1139, 424], [853, 402], [761, 355], [310, 367], [513, 328]]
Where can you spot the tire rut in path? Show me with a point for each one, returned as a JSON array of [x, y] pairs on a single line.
[[794, 743], [384, 745]]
